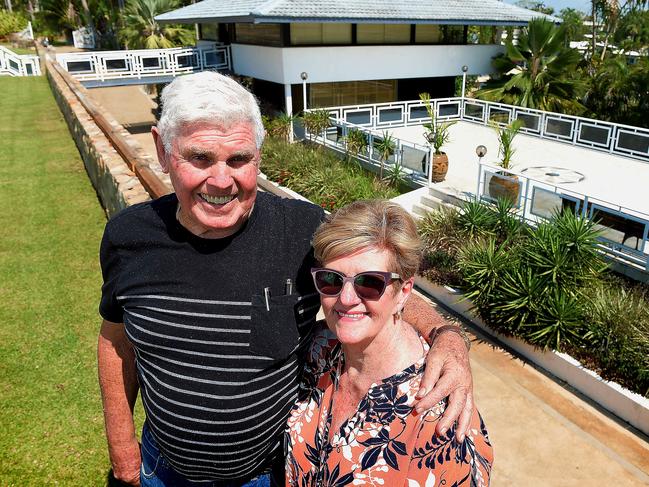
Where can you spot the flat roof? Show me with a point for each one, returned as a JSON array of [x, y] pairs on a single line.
[[488, 12], [615, 179]]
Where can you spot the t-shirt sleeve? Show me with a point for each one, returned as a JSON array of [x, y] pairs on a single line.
[[441, 457], [109, 307]]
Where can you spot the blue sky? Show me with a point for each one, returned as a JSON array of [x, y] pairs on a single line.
[[583, 5]]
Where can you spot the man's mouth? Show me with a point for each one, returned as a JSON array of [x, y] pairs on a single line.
[[216, 200]]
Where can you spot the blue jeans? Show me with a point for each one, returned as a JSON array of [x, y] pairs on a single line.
[[156, 471]]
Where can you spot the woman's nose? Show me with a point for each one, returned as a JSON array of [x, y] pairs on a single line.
[[348, 294]]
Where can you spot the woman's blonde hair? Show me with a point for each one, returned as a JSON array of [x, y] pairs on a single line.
[[379, 224]]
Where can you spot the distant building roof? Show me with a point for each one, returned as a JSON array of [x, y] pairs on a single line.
[[490, 12]]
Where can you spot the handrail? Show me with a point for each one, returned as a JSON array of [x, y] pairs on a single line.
[[614, 138], [149, 179], [19, 64], [144, 63], [630, 223]]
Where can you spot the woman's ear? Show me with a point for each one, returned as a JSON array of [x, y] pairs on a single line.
[[404, 293]]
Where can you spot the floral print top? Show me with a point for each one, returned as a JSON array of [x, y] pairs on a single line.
[[383, 443]]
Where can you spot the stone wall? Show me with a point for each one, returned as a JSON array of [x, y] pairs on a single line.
[[116, 184]]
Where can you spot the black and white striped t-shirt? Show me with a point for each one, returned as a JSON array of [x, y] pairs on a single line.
[[218, 371]]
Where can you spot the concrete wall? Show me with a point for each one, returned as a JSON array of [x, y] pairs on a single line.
[[116, 185], [349, 63]]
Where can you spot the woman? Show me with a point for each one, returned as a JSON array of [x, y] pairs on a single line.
[[355, 423]]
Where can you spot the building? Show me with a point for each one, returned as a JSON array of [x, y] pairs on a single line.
[[333, 53]]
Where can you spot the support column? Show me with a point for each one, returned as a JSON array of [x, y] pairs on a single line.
[[288, 106]]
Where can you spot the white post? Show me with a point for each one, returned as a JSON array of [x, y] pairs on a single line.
[[288, 101], [304, 95], [465, 68]]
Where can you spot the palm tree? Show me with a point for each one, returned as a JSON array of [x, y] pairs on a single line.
[[141, 30], [538, 72]]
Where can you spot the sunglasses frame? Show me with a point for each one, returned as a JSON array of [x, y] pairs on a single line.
[[388, 277]]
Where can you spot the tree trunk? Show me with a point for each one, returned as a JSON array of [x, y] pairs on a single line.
[[594, 30], [88, 15], [8, 4]]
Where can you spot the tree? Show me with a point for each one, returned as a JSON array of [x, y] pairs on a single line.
[[573, 20], [141, 30], [536, 6], [539, 72]]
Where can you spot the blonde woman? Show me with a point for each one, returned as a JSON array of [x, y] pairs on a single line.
[[355, 423]]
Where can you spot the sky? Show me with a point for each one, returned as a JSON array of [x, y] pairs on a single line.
[[583, 5]]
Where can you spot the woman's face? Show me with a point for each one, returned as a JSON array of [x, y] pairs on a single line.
[[354, 320]]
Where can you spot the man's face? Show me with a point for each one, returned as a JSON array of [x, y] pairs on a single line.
[[214, 174]]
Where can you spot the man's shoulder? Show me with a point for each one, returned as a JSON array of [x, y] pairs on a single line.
[[297, 212], [138, 217]]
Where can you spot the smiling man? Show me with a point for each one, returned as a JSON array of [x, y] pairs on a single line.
[[208, 305]]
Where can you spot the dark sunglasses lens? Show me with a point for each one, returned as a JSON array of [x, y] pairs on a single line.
[[369, 286], [328, 283]]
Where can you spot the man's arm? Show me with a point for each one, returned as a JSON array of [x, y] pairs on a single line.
[[119, 388], [448, 372]]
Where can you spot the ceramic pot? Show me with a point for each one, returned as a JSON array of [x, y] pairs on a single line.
[[504, 186], [440, 167]]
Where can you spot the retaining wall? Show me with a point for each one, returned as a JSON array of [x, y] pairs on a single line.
[[116, 184]]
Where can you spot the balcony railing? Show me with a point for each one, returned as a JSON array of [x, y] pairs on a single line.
[[618, 139], [144, 63], [624, 232], [19, 64]]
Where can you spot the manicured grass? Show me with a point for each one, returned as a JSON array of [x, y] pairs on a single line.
[[18, 50], [51, 224]]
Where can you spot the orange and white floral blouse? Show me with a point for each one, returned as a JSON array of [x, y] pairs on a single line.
[[383, 443]]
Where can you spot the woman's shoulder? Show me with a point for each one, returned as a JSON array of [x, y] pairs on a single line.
[[324, 351]]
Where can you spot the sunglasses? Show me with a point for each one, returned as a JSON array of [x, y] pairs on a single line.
[[368, 285]]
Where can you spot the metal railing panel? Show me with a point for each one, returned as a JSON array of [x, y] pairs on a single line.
[[142, 63], [19, 64]]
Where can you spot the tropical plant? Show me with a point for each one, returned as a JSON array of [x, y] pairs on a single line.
[[385, 147], [11, 22], [538, 72], [506, 135], [395, 176], [281, 126], [315, 121], [436, 133], [355, 143], [142, 31]]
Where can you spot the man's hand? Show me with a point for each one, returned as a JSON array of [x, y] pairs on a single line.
[[126, 462], [448, 373]]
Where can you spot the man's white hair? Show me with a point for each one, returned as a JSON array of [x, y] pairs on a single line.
[[207, 97]]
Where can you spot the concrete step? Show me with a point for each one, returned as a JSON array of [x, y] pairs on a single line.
[[445, 195]]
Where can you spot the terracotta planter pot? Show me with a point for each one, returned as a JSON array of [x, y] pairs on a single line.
[[504, 186], [440, 167]]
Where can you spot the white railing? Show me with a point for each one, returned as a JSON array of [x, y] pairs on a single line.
[[144, 63], [13, 64], [413, 159], [624, 231], [618, 139]]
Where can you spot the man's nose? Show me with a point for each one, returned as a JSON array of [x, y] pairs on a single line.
[[348, 294], [220, 175]]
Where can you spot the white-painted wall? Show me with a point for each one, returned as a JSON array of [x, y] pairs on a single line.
[[349, 63]]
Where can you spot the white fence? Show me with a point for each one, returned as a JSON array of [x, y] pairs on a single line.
[[623, 140], [624, 232], [143, 63], [13, 64]]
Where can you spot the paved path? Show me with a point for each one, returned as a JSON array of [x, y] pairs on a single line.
[[543, 434]]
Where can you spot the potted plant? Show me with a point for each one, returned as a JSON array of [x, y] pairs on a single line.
[[437, 134], [503, 184]]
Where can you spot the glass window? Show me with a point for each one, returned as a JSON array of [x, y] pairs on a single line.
[[453, 34], [319, 33], [210, 32], [428, 34], [383, 33], [351, 93], [259, 34]]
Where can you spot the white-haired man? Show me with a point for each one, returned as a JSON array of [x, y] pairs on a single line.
[[207, 304]]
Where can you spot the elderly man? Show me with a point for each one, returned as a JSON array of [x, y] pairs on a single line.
[[207, 305]]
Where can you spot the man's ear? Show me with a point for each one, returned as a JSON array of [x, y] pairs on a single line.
[[160, 149]]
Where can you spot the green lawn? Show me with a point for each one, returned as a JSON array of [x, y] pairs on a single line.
[[51, 426], [18, 50]]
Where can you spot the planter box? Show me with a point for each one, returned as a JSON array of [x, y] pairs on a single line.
[[628, 406]]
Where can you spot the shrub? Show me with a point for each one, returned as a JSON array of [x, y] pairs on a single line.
[[11, 22], [319, 175]]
